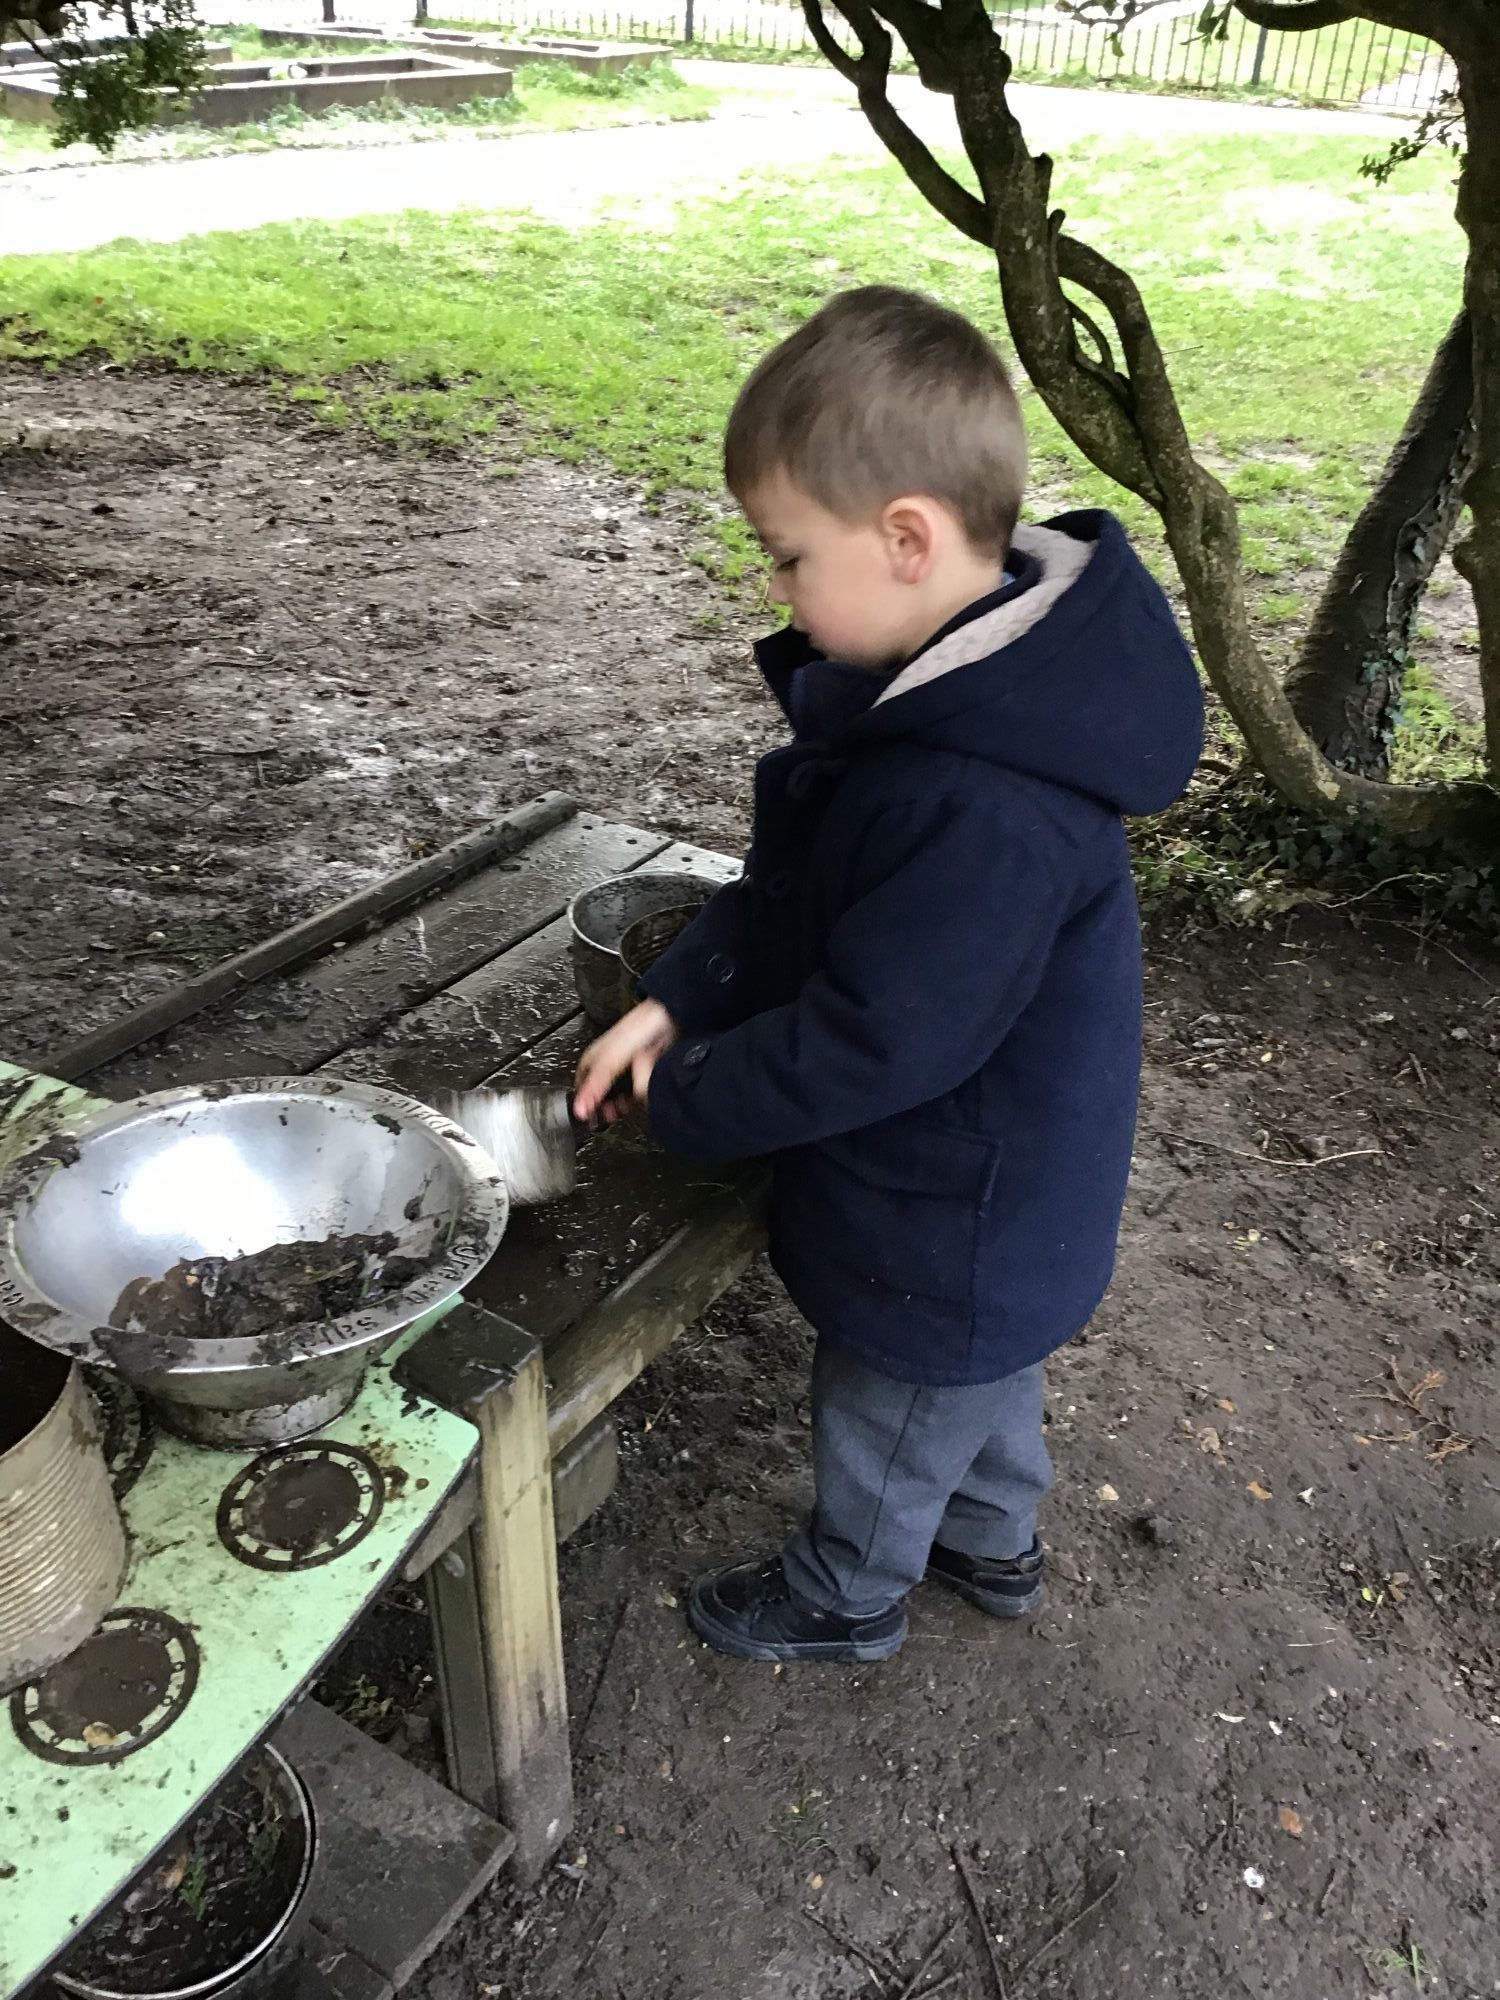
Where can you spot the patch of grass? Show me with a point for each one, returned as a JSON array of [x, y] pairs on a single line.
[[1298, 304], [548, 97], [1432, 743], [801, 1825], [1407, 1962]]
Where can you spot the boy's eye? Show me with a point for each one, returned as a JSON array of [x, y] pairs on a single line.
[[786, 562]]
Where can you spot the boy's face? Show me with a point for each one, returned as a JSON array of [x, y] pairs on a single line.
[[849, 585]]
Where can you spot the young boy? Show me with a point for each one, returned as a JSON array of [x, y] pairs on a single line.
[[923, 1000]]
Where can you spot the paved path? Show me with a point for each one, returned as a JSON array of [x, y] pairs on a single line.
[[785, 117]]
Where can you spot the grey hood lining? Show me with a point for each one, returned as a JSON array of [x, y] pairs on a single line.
[[1063, 560]]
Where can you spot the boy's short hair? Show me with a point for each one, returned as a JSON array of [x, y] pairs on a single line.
[[885, 392]]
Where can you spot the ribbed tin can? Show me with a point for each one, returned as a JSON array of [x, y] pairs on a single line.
[[62, 1542]]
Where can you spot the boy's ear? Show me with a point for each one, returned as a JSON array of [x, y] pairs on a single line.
[[910, 527]]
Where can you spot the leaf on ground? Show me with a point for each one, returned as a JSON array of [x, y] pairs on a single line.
[[1226, 1404], [1107, 1493], [1290, 1822], [1260, 1492]]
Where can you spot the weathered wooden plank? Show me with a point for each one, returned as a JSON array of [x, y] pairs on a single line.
[[558, 1261], [491, 1372], [465, 1034], [327, 1969], [485, 1021], [584, 1474], [293, 1023], [401, 1857], [460, 1662], [632, 1324], [315, 934]]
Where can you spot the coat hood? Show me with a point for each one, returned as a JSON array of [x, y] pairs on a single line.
[[1077, 674]]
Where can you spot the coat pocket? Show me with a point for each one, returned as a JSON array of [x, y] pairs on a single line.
[[898, 1207]]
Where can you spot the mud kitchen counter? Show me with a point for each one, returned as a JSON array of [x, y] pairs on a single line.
[[477, 1442]]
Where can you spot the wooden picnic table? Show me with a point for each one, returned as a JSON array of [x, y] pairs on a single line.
[[450, 973]]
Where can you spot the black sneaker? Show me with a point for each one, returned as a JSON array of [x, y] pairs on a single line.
[[750, 1612], [1003, 1589]]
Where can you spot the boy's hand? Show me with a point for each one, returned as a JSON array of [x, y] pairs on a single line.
[[633, 1047]]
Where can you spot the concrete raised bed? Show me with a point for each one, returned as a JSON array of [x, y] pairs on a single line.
[[249, 92], [18, 55], [593, 58]]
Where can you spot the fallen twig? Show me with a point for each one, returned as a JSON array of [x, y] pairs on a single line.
[[879, 1973], [909, 1990], [1322, 1903], [1409, 1397], [1071, 1925], [603, 1673], [975, 1905], [1270, 1159], [938, 1986]]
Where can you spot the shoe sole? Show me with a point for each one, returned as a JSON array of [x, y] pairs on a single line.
[[840, 1652], [988, 1601]]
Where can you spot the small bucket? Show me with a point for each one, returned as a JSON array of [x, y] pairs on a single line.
[[62, 1542], [598, 920], [259, 1968], [646, 940]]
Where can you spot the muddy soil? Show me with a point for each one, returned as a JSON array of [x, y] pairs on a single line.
[[248, 665], [1251, 1745], [235, 1298]]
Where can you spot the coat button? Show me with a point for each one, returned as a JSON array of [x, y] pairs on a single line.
[[695, 1056], [779, 886], [721, 968]]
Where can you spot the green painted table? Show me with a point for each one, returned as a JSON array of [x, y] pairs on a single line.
[[490, 1420], [243, 1641]]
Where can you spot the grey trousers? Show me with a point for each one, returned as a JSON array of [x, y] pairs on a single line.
[[898, 1466]]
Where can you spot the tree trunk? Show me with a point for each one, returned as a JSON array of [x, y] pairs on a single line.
[[1121, 413], [1346, 683], [1478, 556]]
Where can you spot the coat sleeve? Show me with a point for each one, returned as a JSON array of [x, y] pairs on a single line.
[[702, 978], [924, 974]]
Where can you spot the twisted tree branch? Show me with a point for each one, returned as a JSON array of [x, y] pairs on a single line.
[[869, 72], [1124, 418], [1296, 15]]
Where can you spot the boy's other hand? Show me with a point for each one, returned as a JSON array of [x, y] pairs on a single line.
[[632, 1048]]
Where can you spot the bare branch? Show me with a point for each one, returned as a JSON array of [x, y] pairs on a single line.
[[869, 72]]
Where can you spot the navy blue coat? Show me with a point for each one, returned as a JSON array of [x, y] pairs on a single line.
[[923, 1001]]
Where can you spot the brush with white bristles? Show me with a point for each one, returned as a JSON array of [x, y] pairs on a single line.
[[529, 1132]]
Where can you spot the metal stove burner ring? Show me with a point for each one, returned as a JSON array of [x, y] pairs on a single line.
[[300, 1506], [118, 1692]]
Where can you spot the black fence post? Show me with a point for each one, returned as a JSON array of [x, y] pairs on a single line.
[[1262, 42], [687, 21]]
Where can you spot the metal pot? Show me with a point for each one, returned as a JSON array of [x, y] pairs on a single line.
[[251, 1972], [224, 1170], [599, 918], [62, 1542]]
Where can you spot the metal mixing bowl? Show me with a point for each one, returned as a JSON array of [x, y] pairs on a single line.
[[222, 1170]]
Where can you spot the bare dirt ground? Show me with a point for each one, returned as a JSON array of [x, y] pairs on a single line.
[[1251, 1746]]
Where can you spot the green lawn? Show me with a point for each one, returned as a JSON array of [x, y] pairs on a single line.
[[546, 97], [1298, 303]]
